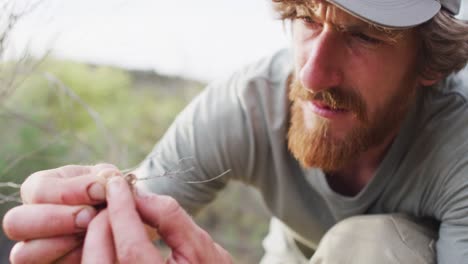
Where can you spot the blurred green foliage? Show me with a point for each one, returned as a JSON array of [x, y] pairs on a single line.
[[92, 112], [74, 113]]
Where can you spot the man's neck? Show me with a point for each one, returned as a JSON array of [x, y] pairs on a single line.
[[353, 177]]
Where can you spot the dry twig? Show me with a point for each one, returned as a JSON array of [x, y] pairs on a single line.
[[132, 178]]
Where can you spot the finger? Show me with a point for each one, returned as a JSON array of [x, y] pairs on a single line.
[[178, 230], [99, 244], [132, 243], [164, 213], [43, 250], [58, 186], [74, 257], [27, 222]]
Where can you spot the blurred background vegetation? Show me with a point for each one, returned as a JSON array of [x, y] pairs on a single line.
[[63, 112], [55, 112]]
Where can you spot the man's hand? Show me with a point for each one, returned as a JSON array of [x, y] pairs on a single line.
[[127, 241], [58, 206]]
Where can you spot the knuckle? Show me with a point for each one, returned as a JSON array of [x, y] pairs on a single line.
[[128, 252], [69, 171], [169, 204], [101, 166], [203, 236], [64, 169], [31, 188]]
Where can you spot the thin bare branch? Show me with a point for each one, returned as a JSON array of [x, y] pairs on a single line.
[[13, 75], [47, 129], [7, 112], [106, 134], [10, 185], [22, 70], [14, 197], [12, 164]]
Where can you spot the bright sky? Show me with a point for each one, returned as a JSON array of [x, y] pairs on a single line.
[[197, 38], [202, 39]]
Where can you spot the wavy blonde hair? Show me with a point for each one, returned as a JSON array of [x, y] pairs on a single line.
[[444, 44], [444, 39]]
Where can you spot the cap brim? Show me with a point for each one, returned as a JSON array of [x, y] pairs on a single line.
[[391, 13]]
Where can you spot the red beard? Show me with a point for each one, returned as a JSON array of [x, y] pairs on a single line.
[[318, 148]]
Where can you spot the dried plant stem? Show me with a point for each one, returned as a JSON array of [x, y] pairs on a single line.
[[10, 184], [131, 178], [169, 174], [208, 180], [14, 197], [152, 156]]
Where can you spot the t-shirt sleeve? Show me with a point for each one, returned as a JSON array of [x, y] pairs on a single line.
[[213, 136], [452, 245]]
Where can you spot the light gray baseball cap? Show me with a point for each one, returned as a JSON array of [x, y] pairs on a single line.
[[397, 13]]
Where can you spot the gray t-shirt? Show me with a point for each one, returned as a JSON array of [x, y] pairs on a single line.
[[240, 124]]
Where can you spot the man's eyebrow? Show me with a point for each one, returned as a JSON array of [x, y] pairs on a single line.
[[366, 28], [356, 28], [359, 26], [353, 26]]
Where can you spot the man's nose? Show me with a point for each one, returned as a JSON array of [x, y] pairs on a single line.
[[323, 67]]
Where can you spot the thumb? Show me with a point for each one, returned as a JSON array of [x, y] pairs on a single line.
[[169, 218], [187, 240]]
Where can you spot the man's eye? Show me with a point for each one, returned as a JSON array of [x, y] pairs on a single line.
[[365, 38], [308, 21]]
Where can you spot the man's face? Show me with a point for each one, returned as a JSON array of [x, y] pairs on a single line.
[[352, 86]]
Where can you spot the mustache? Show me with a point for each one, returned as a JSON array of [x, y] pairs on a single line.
[[334, 97]]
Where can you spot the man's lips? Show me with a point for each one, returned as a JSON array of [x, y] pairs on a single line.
[[322, 105], [324, 110]]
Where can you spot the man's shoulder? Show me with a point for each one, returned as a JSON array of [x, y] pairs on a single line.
[[447, 103], [441, 140], [267, 71], [446, 116], [455, 85], [258, 90], [434, 138], [272, 67]]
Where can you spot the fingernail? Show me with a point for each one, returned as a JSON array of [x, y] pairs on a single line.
[[97, 192], [83, 217], [114, 185]]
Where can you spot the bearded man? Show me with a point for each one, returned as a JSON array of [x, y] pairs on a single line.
[[356, 139]]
